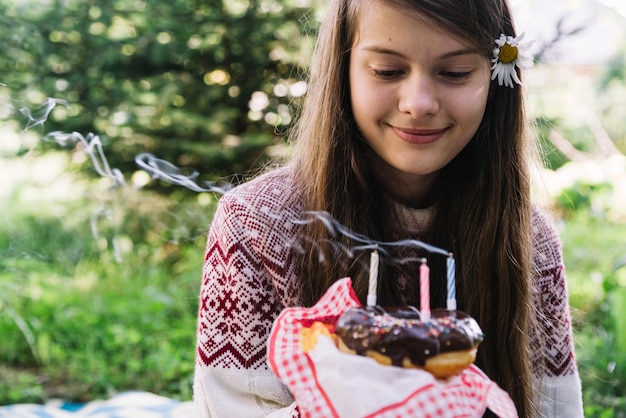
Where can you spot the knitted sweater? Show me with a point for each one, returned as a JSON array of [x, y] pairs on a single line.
[[249, 276]]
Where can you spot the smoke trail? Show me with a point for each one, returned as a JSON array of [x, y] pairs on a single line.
[[92, 146], [164, 170], [334, 227], [39, 115], [159, 169]]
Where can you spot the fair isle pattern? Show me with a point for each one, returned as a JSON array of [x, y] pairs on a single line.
[[551, 296], [250, 276], [248, 271]]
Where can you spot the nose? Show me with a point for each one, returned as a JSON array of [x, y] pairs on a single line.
[[419, 97]]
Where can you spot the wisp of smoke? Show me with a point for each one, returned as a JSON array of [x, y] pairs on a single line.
[[92, 146], [39, 115], [163, 170]]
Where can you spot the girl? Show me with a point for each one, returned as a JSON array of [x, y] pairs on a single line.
[[408, 130]]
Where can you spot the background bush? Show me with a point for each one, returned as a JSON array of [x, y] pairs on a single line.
[[204, 83]]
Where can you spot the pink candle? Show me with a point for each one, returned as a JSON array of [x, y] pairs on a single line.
[[424, 291]]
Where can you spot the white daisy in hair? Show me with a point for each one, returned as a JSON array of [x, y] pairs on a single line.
[[509, 54]]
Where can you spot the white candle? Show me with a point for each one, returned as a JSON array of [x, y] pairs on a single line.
[[373, 284]]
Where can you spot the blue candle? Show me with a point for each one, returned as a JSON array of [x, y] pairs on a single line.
[[451, 305]]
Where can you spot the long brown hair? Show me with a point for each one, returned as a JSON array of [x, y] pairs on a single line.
[[482, 207]]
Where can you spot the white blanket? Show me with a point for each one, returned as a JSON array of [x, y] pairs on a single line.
[[123, 405]]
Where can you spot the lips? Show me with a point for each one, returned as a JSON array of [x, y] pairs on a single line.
[[418, 136]]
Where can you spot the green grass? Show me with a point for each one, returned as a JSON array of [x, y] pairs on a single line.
[[81, 317], [595, 257]]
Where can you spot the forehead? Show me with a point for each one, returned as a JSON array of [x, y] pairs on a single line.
[[377, 20]]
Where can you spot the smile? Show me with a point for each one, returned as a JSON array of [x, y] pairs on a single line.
[[418, 136]]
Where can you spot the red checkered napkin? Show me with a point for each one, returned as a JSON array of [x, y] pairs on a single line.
[[328, 383]]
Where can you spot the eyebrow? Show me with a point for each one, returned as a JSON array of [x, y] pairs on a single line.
[[381, 50]]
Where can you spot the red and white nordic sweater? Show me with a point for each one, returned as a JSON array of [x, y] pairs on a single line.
[[249, 276]]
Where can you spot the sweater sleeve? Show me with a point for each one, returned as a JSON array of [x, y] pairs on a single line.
[[238, 304], [559, 391]]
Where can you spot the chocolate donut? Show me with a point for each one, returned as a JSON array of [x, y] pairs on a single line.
[[444, 346]]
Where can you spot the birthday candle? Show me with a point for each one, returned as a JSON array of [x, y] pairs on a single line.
[[373, 283], [424, 291], [451, 305]]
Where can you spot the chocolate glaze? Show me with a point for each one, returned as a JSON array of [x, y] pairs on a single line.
[[399, 332]]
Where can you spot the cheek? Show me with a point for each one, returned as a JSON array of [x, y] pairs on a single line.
[[470, 107], [369, 102]]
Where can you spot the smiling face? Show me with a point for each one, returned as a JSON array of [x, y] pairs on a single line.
[[418, 94]]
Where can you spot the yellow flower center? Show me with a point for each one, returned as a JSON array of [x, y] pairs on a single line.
[[507, 54]]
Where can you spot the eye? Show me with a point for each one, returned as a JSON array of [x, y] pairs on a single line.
[[386, 74], [456, 75]]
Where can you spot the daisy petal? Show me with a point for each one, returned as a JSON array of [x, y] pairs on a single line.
[[506, 60]]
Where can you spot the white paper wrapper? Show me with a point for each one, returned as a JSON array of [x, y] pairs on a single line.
[[328, 383]]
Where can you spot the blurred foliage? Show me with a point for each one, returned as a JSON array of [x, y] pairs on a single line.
[[582, 196], [553, 158], [92, 303], [591, 216], [612, 99], [199, 83], [615, 71], [595, 255]]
